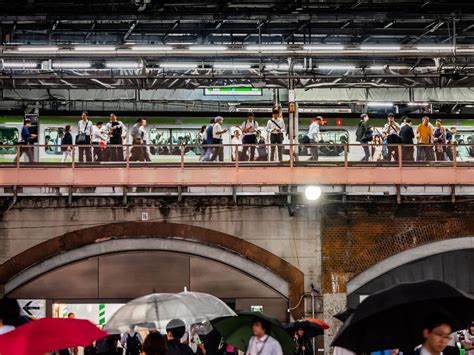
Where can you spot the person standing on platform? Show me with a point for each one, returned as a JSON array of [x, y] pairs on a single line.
[[27, 140], [175, 330], [363, 133], [83, 139], [132, 342], [276, 129], [208, 139], [392, 129], [313, 135], [217, 133], [261, 343], [424, 133], [407, 135], [117, 132], [137, 152], [98, 139], [67, 144], [249, 130], [439, 139]]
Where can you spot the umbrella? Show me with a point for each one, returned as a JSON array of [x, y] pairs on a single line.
[[344, 315], [237, 331], [311, 329], [319, 322], [156, 310], [393, 318], [49, 334]]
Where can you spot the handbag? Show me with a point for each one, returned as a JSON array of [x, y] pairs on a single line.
[[81, 138]]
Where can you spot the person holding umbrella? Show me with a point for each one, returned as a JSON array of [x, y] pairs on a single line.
[[262, 343], [174, 332], [437, 334], [303, 343]]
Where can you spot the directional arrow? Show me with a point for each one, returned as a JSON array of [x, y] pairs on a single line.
[[27, 308]]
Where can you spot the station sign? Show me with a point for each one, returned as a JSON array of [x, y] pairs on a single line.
[[33, 308], [256, 308], [232, 91]]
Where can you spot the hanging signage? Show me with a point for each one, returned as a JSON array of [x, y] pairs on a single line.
[[256, 309], [33, 308], [232, 91]]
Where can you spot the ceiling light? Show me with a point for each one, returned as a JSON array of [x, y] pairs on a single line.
[[94, 48], [312, 193], [418, 104], [151, 48], [37, 48], [266, 48], [208, 48], [123, 65], [433, 48], [380, 104], [179, 65], [336, 47], [336, 67], [232, 66], [20, 65], [379, 48], [71, 65]]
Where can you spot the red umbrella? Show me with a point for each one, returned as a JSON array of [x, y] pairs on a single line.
[[319, 322], [49, 334]]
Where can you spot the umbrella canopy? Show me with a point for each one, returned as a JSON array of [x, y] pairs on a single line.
[[344, 315], [393, 318], [156, 310], [319, 322], [49, 334], [311, 329], [237, 331]]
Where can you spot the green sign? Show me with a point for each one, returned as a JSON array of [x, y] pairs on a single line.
[[232, 91]]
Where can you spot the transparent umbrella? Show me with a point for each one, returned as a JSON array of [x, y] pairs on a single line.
[[156, 310]]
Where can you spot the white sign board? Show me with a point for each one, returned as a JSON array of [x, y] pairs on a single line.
[[256, 309], [33, 308]]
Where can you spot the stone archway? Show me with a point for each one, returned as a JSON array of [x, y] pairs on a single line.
[[157, 236]]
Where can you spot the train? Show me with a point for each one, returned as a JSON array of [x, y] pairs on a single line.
[[167, 136]]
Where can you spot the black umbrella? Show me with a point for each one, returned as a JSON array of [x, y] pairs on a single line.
[[344, 315], [393, 318], [310, 329]]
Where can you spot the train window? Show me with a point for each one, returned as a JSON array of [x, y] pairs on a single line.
[[330, 136], [465, 137], [160, 136], [186, 136], [8, 136], [53, 137]]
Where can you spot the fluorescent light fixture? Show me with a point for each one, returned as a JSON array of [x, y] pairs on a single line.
[[283, 66], [151, 48], [379, 48], [123, 65], [179, 65], [266, 48], [94, 48], [71, 65], [312, 193], [380, 104], [231, 66], [418, 104], [336, 67], [376, 67], [422, 48], [20, 65], [335, 47], [37, 48], [208, 48]]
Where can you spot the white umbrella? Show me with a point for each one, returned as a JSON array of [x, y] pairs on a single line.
[[156, 310]]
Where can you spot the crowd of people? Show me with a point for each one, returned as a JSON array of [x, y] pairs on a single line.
[[433, 143]]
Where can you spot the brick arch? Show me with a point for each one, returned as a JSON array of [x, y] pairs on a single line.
[[89, 236]]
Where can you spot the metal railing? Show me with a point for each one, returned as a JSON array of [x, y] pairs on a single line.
[[227, 154]]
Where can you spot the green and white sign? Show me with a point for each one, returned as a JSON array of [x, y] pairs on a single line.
[[232, 91]]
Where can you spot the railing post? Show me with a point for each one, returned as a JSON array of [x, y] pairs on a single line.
[[73, 157], [455, 155], [400, 150], [291, 155], [182, 156], [346, 162], [236, 154], [18, 155], [127, 155]]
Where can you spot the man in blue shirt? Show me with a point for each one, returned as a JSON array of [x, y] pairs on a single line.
[[27, 139]]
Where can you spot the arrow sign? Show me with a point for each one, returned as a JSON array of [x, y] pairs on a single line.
[[33, 308], [28, 307]]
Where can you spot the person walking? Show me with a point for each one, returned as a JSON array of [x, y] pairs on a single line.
[[314, 136], [407, 135], [424, 134], [439, 140], [436, 333], [27, 140], [137, 133], [249, 140], [132, 342], [364, 135], [66, 144], [155, 344], [303, 343], [98, 139], [217, 132], [83, 139], [276, 129], [208, 139], [117, 133], [392, 129], [261, 343], [175, 330]]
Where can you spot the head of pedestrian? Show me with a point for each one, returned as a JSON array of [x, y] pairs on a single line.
[[408, 121], [67, 128], [155, 344], [391, 117], [140, 122], [99, 124], [364, 117], [470, 328], [276, 112], [437, 331], [71, 315], [27, 122], [300, 332], [250, 117], [219, 119], [438, 123], [318, 120], [425, 120], [85, 116], [175, 329], [453, 130], [237, 133], [261, 327], [113, 117]]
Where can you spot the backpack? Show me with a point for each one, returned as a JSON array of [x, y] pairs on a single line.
[[102, 346], [133, 344]]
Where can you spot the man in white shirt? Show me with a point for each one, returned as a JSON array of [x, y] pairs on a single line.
[[137, 153], [262, 343], [276, 129], [99, 137], [217, 133], [117, 132], [437, 334], [85, 133], [249, 130], [313, 135]]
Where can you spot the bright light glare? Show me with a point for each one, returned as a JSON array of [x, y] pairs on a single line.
[[71, 65], [94, 48], [29, 65], [208, 48], [37, 48], [312, 193]]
